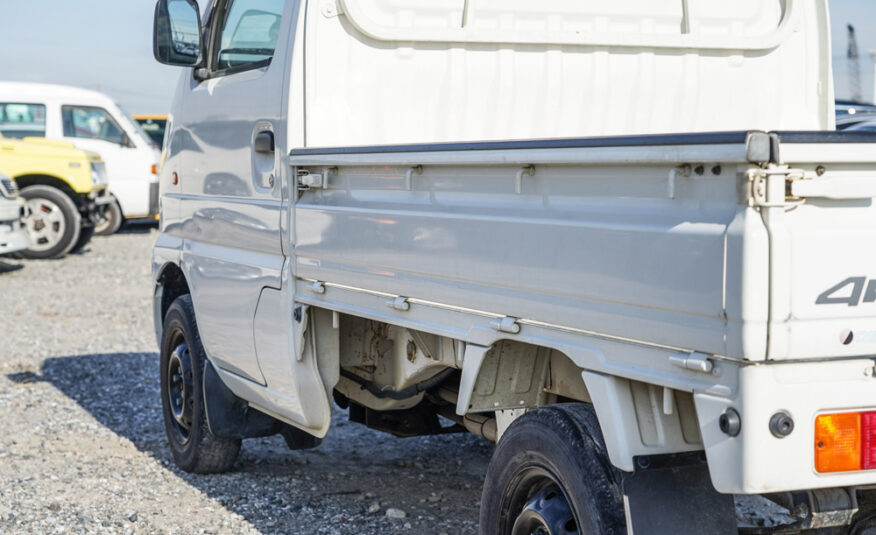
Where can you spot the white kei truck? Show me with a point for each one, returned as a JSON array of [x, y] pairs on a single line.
[[621, 240]]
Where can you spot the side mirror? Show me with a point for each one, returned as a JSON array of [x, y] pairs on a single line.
[[177, 33]]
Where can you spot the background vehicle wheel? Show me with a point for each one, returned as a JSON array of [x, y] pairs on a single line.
[[85, 234], [194, 447], [112, 222], [53, 222], [550, 475]]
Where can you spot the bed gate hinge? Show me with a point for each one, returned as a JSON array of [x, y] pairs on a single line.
[[308, 180], [771, 187]]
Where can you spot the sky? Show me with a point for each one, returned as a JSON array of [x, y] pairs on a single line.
[[107, 45], [104, 45], [862, 15]]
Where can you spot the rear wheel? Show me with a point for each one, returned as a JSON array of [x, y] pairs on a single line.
[[53, 222], [194, 447], [550, 475], [112, 222]]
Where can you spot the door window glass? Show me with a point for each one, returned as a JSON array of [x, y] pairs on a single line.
[[91, 123], [249, 33], [22, 120]]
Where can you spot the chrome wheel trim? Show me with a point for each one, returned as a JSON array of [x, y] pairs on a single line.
[[45, 224]]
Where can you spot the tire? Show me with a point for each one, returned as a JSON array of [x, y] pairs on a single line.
[[550, 474], [194, 447], [113, 221], [53, 222], [85, 234]]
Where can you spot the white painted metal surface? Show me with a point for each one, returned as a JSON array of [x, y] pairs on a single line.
[[129, 168], [758, 462], [407, 71], [694, 24], [226, 209], [456, 238]]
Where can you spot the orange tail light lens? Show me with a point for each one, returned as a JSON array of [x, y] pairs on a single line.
[[838, 442], [154, 169], [845, 442]]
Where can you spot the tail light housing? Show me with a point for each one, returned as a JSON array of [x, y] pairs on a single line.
[[845, 442]]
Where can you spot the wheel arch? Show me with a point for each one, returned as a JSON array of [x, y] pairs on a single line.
[[170, 283], [27, 180], [510, 375], [116, 201]]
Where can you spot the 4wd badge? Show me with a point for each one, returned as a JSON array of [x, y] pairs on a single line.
[[850, 291]]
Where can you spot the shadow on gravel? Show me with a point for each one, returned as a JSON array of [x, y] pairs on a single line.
[[6, 267], [280, 491], [139, 226]]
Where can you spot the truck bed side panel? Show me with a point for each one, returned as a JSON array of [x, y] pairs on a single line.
[[600, 248]]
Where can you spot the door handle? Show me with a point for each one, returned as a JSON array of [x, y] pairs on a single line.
[[264, 143]]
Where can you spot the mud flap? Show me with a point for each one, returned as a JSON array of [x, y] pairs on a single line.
[[228, 416], [671, 494]]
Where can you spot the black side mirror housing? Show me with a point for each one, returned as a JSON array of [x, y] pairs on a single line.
[[177, 33]]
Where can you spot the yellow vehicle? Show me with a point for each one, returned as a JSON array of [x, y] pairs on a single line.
[[64, 190]]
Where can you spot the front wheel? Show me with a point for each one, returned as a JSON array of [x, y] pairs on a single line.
[[53, 223], [550, 475], [194, 447]]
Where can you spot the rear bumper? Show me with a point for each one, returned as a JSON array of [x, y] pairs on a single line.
[[756, 461], [12, 241], [13, 235]]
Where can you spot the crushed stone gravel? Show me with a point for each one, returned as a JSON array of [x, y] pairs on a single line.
[[82, 446]]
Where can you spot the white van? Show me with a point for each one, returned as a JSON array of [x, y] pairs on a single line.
[[94, 122]]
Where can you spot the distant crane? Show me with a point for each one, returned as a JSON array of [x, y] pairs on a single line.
[[854, 66]]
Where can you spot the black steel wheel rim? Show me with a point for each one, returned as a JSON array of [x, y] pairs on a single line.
[[180, 391], [537, 505]]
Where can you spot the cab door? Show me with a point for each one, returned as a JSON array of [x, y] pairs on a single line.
[[232, 119], [233, 124]]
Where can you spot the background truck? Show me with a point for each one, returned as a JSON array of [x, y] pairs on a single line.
[[64, 189], [94, 122], [624, 242]]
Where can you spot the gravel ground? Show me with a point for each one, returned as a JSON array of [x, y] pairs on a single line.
[[82, 448]]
